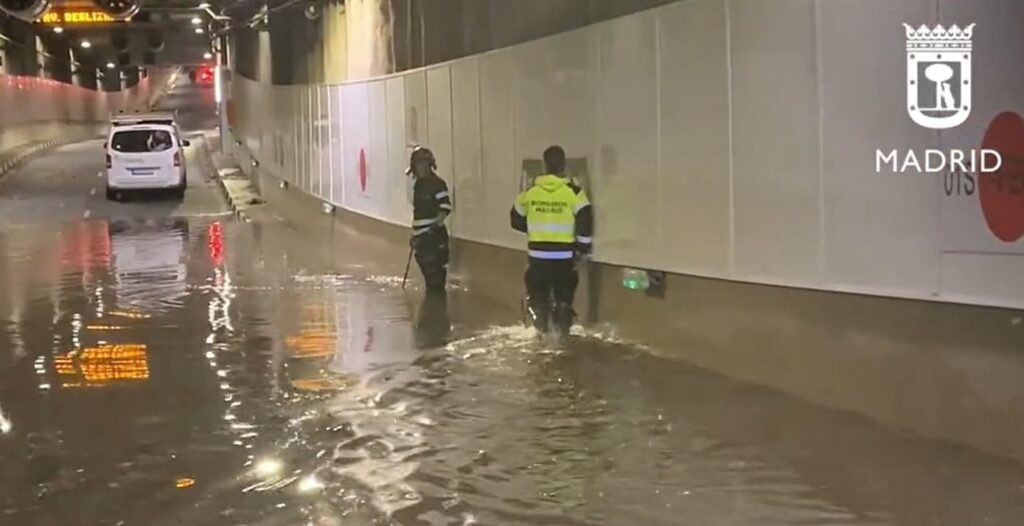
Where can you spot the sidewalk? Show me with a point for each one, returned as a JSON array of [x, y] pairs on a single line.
[[14, 157], [238, 189]]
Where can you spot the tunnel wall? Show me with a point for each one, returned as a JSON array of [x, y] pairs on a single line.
[[733, 146], [722, 139], [367, 38], [39, 109]]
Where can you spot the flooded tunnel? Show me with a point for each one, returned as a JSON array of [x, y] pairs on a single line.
[[819, 342]]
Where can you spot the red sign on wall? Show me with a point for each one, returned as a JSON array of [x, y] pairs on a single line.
[[1002, 193], [362, 170]]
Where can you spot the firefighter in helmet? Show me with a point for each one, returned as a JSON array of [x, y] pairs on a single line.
[[431, 206]]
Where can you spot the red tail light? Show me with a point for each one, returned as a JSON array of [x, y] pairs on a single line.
[[177, 159], [109, 161]]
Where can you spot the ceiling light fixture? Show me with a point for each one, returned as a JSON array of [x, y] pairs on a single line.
[[110, 65], [207, 55], [86, 44], [199, 31], [196, 20], [58, 30]]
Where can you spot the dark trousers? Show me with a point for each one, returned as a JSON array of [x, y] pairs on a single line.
[[551, 288], [432, 258]]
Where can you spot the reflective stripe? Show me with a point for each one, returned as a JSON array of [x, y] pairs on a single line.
[[551, 227], [519, 209], [584, 239], [579, 207], [445, 206], [544, 254], [424, 222], [439, 195]]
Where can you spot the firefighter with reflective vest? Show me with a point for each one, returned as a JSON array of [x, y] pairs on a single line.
[[431, 206], [558, 220]]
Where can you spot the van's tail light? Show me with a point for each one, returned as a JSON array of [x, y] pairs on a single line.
[[177, 159], [110, 162]]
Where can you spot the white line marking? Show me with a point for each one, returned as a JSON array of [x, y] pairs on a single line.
[[92, 192], [87, 214]]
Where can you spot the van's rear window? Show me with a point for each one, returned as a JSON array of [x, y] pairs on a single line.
[[140, 141]]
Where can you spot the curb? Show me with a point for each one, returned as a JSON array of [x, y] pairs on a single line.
[[16, 160], [237, 202]]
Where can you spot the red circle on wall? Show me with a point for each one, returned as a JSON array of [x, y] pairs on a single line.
[[362, 170], [1001, 193]]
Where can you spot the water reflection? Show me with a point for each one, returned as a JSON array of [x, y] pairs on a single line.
[[5, 423], [374, 334], [99, 366], [433, 325], [149, 263], [267, 389]]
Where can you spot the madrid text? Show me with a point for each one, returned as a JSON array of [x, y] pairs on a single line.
[[938, 161]]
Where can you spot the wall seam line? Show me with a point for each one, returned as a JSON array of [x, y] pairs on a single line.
[[821, 144], [658, 155], [732, 167]]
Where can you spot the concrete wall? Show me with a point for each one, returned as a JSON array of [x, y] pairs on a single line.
[[39, 109], [732, 145], [335, 44], [368, 38], [723, 139]]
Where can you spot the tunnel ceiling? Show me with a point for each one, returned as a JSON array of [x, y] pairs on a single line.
[[162, 32]]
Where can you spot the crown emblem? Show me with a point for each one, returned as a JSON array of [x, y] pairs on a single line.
[[939, 38]]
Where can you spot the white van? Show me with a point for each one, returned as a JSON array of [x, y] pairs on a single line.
[[145, 157]]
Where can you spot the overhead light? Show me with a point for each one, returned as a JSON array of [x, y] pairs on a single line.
[[196, 20], [199, 31], [207, 55], [58, 30], [86, 44], [204, 5], [110, 65]]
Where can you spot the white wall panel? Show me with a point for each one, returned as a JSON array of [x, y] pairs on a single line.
[[308, 127], [315, 138], [555, 95], [694, 139], [298, 126], [776, 172], [400, 197], [286, 103], [990, 279], [324, 129], [879, 228], [339, 168], [986, 268], [497, 139], [728, 138], [44, 107], [356, 129], [439, 120], [384, 182], [416, 108], [625, 183], [467, 177]]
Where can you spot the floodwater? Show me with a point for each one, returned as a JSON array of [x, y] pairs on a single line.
[[194, 371]]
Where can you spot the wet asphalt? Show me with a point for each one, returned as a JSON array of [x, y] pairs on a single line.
[[162, 363]]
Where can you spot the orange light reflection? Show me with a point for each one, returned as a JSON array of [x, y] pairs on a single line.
[[99, 366]]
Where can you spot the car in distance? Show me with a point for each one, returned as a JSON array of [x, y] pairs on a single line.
[[145, 156]]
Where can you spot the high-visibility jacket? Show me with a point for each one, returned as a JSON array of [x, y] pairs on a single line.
[[556, 217]]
